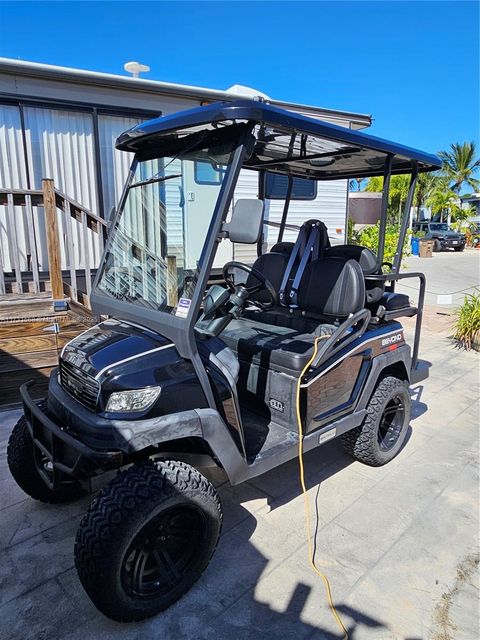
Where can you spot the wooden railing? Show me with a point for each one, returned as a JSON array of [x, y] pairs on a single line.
[[73, 236]]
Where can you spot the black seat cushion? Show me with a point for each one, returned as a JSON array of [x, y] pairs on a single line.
[[332, 287], [272, 346], [393, 301], [291, 319]]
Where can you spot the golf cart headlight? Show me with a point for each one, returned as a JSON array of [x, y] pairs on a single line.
[[135, 400]]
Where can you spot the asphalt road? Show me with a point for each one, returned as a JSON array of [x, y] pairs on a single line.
[[448, 274]]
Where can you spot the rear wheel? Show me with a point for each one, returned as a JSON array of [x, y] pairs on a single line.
[[21, 462], [146, 539], [382, 434]]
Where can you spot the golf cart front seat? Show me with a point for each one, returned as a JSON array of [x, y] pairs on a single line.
[[275, 263], [331, 290]]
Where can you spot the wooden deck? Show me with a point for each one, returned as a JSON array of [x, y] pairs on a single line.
[[31, 338]]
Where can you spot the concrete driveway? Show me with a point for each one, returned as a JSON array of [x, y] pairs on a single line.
[[399, 543], [448, 273]]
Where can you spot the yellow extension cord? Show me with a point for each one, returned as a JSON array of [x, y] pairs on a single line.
[[305, 495]]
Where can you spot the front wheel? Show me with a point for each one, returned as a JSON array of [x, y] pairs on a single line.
[[460, 248], [146, 539], [437, 246], [21, 462], [382, 434]]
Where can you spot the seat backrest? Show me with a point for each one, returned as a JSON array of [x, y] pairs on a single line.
[[272, 266], [283, 247], [333, 287], [311, 243], [374, 289], [364, 256], [275, 264]]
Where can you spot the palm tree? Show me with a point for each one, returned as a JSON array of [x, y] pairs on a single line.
[[442, 201], [460, 165], [426, 184]]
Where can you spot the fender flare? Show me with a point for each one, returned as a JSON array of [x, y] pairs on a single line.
[[400, 356]]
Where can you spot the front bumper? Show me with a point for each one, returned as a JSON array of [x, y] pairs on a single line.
[[58, 454], [451, 244]]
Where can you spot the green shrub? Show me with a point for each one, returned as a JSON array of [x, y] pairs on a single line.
[[368, 237], [467, 323]]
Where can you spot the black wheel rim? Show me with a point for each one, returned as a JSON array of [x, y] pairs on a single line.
[[391, 423], [164, 552]]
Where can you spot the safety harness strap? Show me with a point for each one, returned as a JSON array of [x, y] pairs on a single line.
[[311, 246], [301, 241]]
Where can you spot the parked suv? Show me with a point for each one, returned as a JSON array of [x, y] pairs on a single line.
[[442, 235]]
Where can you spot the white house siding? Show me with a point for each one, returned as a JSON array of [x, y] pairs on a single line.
[[329, 206]]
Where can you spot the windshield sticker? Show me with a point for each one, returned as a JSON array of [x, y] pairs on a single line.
[[183, 307]]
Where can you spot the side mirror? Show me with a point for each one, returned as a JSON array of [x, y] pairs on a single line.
[[246, 223]]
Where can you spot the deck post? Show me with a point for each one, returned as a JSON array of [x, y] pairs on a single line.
[[53, 240], [172, 295]]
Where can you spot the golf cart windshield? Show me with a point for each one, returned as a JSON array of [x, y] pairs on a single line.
[[159, 232]]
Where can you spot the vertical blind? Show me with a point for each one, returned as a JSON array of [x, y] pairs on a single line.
[[13, 175], [115, 164], [59, 144]]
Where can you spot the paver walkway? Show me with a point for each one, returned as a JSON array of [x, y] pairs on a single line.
[[395, 542]]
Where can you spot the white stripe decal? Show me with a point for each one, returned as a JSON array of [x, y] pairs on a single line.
[[334, 364], [137, 355]]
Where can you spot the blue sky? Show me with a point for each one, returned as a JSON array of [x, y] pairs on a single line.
[[413, 65]]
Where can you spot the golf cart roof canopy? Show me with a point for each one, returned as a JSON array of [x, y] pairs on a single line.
[[285, 142]]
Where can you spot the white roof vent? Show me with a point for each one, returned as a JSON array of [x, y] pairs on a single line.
[[135, 68], [247, 92]]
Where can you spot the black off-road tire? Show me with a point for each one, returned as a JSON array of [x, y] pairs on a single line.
[[365, 443], [21, 463], [437, 246], [129, 514], [460, 248]]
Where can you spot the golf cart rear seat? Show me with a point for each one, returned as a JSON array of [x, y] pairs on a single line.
[[281, 339], [383, 304]]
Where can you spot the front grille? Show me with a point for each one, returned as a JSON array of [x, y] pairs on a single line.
[[79, 385]]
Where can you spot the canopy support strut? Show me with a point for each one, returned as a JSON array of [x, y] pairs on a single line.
[[397, 260], [387, 172], [288, 197]]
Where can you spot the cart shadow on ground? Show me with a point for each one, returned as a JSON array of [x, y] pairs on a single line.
[[418, 407], [242, 593], [239, 597]]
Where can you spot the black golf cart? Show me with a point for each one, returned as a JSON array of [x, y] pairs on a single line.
[[202, 363]]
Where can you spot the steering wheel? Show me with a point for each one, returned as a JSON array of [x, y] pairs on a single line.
[[251, 271]]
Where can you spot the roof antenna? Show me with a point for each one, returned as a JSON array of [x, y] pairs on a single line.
[[135, 68]]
